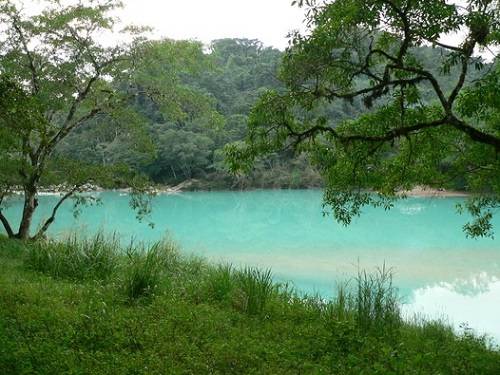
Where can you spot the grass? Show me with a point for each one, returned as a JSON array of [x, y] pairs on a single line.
[[87, 259], [248, 290], [376, 302], [147, 268], [92, 308], [256, 288]]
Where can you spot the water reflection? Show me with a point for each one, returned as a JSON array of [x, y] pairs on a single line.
[[474, 302]]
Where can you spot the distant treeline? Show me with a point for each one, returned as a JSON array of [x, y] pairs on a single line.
[[228, 77]]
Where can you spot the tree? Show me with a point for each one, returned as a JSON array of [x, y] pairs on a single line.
[[423, 125], [57, 78]]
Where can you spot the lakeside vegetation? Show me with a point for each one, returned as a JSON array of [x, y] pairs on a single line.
[[93, 307], [367, 103]]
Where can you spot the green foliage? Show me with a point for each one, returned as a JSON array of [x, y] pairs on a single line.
[[76, 259], [249, 290], [53, 326], [146, 268], [64, 94], [429, 117], [183, 153], [481, 209], [214, 93], [376, 301], [256, 289], [14, 249], [221, 282]]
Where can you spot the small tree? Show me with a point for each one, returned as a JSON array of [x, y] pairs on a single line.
[[431, 122], [55, 77]]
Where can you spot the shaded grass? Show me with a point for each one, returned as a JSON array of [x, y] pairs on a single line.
[[192, 317]]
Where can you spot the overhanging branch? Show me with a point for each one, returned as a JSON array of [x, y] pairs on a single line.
[[395, 133], [52, 217], [477, 135], [386, 137]]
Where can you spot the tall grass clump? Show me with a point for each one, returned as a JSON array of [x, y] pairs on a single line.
[[146, 268], [221, 282], [376, 302], [94, 258], [256, 289], [369, 304], [339, 309], [248, 290]]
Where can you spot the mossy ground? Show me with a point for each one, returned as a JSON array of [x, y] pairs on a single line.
[[187, 317]]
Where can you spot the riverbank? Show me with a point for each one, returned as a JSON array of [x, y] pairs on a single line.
[[82, 307], [197, 185], [428, 192]]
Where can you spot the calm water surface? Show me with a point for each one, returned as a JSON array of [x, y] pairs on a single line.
[[439, 272]]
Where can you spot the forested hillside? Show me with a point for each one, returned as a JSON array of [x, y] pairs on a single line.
[[220, 84]]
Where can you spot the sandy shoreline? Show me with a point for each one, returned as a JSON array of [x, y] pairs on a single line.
[[423, 191]]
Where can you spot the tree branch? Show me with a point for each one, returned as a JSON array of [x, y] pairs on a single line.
[[463, 74], [69, 124], [330, 94], [476, 134], [6, 225], [445, 46], [3, 219], [52, 218], [388, 136], [31, 61]]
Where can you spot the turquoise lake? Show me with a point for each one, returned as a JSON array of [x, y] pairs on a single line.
[[438, 271]]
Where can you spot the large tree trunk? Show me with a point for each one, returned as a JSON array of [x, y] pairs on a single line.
[[30, 205]]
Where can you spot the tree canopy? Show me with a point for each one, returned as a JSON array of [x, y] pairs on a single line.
[[57, 78], [432, 123]]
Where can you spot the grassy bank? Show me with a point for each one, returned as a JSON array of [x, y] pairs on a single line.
[[93, 308]]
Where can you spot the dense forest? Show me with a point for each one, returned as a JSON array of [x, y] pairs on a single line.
[[221, 84]]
